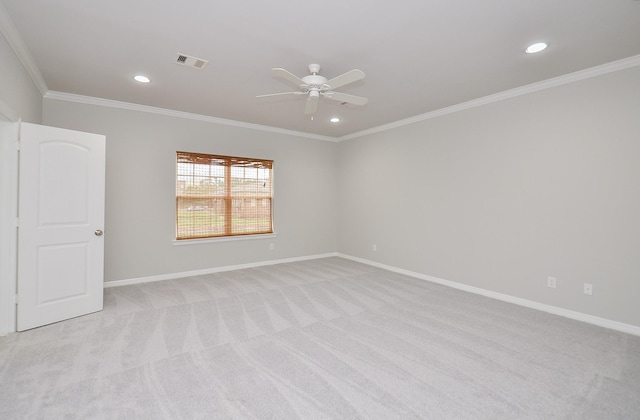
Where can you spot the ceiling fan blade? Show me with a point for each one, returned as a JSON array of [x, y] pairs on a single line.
[[280, 94], [288, 76], [346, 98], [311, 106], [345, 79]]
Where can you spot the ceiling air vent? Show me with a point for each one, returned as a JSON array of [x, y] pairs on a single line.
[[187, 60]]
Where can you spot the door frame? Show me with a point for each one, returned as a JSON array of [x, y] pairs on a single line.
[[9, 161]]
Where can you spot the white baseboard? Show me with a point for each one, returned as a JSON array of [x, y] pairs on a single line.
[[578, 316], [170, 276]]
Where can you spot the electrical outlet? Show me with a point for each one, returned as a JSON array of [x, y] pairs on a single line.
[[551, 282], [374, 247], [272, 246], [588, 289]]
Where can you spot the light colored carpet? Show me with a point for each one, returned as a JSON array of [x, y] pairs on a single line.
[[318, 339]]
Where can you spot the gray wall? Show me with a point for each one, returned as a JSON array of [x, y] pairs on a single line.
[[17, 90], [497, 197], [140, 189], [503, 195]]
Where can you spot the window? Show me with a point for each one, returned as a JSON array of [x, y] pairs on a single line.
[[220, 196]]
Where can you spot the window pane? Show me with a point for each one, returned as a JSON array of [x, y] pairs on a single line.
[[222, 196]]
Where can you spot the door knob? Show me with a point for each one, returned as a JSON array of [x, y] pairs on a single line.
[[99, 232]]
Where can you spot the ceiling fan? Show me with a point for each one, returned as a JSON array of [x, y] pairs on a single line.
[[315, 86]]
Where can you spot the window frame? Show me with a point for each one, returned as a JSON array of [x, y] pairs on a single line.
[[223, 170]]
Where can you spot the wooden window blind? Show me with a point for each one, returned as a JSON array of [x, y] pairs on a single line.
[[220, 196]]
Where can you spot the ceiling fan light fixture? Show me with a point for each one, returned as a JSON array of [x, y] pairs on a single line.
[[142, 79], [335, 120], [536, 48]]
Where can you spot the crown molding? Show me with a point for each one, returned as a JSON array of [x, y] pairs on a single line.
[[611, 67], [614, 66], [10, 32], [90, 100]]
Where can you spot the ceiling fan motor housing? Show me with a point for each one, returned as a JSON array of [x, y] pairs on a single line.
[[314, 81]]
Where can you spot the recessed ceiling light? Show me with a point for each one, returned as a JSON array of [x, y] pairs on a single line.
[[536, 48], [335, 120], [142, 79]]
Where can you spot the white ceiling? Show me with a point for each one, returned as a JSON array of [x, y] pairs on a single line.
[[418, 55]]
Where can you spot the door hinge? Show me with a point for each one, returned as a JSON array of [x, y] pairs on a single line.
[[18, 145], [15, 299], [17, 222]]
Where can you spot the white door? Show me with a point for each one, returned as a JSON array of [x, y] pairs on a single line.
[[61, 217]]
